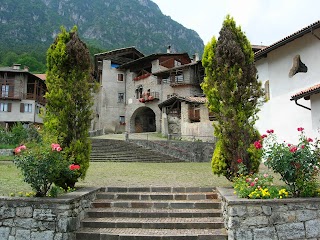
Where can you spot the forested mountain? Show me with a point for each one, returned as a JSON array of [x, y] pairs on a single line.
[[28, 28]]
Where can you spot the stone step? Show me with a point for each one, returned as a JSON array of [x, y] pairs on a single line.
[[158, 189], [158, 223], [152, 213], [186, 204], [150, 234], [157, 196]]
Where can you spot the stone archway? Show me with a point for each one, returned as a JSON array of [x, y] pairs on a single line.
[[143, 120]]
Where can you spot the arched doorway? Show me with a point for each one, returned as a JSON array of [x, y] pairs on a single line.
[[143, 120]]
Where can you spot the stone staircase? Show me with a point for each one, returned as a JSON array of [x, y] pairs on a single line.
[[104, 150], [150, 213]]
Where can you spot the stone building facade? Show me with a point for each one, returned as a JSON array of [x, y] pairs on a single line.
[[150, 93]]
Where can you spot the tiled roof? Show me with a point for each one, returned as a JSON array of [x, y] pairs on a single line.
[[169, 101], [260, 54], [307, 92], [41, 76]]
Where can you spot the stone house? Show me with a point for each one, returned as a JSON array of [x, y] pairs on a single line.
[[21, 96], [147, 93], [286, 68]]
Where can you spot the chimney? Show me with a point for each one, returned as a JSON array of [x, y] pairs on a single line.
[[196, 57], [16, 66], [169, 49], [26, 68]]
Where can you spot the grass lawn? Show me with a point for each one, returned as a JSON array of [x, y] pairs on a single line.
[[127, 174]]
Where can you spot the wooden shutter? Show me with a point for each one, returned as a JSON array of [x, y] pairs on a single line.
[[11, 91], [22, 107], [9, 107]]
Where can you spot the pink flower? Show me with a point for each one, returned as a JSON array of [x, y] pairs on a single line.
[[252, 184], [239, 160], [264, 136], [289, 145], [73, 167], [56, 147], [270, 131], [18, 149], [302, 147], [293, 149], [300, 129], [256, 179], [310, 140], [257, 144], [248, 179], [265, 175]]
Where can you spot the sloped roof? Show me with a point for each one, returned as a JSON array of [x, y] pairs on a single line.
[[41, 76], [167, 71], [307, 92], [262, 53], [121, 55], [190, 99]]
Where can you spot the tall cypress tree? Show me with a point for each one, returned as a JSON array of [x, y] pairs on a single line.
[[234, 95], [69, 100]]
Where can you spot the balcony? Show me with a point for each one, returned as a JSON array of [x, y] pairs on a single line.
[[149, 97]]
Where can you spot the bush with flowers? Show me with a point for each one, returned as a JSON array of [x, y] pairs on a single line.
[[256, 186], [42, 166], [297, 164]]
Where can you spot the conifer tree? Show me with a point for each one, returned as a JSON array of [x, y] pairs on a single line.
[[69, 100], [234, 95]]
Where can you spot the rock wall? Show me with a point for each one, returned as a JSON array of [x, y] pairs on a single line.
[[6, 152], [251, 219], [44, 218]]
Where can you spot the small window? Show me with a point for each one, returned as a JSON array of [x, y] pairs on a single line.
[[194, 113], [122, 120], [26, 107], [267, 90], [120, 97], [5, 91], [120, 77], [5, 107]]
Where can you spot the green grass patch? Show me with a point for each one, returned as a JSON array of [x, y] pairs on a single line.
[[6, 158], [7, 146], [129, 174]]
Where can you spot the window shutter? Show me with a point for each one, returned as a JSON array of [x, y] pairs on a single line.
[[11, 91], [9, 107], [22, 107]]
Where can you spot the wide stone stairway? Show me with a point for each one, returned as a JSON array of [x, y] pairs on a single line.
[[104, 150], [166, 213]]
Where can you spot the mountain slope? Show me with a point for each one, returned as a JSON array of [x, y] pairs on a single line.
[[106, 24]]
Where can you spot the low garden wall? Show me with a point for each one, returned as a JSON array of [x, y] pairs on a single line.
[[44, 218], [189, 151], [6, 152], [250, 219]]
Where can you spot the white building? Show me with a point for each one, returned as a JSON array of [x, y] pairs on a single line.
[[285, 68]]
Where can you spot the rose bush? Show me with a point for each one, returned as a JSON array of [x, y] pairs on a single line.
[[297, 164], [42, 166]]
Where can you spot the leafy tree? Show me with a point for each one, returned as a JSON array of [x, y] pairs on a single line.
[[234, 95], [69, 100]]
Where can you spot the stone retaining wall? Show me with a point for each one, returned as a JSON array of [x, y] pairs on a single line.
[[189, 151], [250, 219], [44, 218], [6, 152]]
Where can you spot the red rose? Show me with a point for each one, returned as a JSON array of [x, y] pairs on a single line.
[[239, 160]]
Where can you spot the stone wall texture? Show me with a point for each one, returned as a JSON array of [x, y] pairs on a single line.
[[6, 152], [44, 218], [250, 219], [186, 150]]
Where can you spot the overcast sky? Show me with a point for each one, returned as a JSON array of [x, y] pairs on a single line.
[[263, 21]]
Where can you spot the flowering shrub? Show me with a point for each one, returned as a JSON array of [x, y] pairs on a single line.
[[257, 186], [41, 166], [298, 165]]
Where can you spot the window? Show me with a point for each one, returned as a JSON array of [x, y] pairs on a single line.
[[5, 91], [120, 97], [194, 113], [122, 120], [5, 107], [120, 77], [179, 78], [26, 107]]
